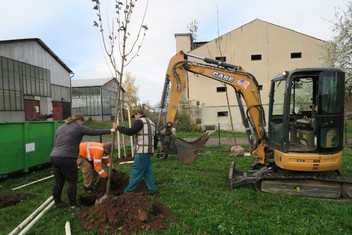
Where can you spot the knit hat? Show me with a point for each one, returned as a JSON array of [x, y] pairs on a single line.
[[107, 146]]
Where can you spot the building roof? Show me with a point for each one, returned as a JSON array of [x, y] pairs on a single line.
[[199, 44], [94, 82], [43, 45], [259, 20]]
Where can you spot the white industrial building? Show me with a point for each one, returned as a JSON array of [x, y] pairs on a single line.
[[262, 49], [35, 84]]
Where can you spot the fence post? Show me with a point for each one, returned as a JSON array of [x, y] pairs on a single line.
[[345, 131], [219, 134]]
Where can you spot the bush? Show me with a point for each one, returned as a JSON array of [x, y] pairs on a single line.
[[185, 123]]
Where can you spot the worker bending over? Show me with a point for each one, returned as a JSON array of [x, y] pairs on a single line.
[[90, 159]]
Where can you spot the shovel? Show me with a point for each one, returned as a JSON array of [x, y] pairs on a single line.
[[99, 200]]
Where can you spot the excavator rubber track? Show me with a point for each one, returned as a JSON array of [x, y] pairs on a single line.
[[309, 184]]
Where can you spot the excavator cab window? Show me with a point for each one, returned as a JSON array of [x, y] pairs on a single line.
[[302, 123], [330, 116], [306, 111], [276, 131]]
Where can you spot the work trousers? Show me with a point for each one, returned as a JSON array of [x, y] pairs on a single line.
[[65, 169], [90, 176], [142, 168]]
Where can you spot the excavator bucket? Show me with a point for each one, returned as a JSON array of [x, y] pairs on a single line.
[[187, 151], [239, 178]]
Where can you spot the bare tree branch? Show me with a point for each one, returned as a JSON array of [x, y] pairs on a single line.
[[117, 29]]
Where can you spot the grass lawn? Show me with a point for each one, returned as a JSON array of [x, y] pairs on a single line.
[[197, 196]]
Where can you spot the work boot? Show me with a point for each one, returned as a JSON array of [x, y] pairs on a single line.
[[151, 193], [73, 208], [90, 190], [60, 205]]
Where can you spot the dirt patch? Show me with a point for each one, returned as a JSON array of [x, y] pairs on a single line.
[[12, 199], [121, 212], [127, 213]]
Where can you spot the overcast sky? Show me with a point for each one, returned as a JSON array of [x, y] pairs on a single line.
[[66, 26]]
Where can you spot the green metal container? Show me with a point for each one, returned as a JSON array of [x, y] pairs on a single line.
[[24, 145]]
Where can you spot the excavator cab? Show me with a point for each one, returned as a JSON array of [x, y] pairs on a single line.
[[306, 115], [305, 137]]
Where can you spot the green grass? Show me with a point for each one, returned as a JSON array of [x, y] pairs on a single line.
[[215, 134], [183, 134], [348, 129], [197, 196]]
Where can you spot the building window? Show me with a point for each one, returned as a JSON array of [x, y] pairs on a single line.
[[256, 57], [198, 121], [87, 101], [221, 58], [221, 89], [223, 114], [36, 80], [296, 55], [18, 79], [93, 101]]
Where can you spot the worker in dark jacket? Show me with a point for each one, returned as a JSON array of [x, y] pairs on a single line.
[[64, 155], [145, 142]]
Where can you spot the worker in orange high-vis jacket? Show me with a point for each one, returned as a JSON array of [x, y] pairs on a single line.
[[90, 159]]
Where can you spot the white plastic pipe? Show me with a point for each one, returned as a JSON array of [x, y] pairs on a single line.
[[30, 225], [68, 228], [127, 162], [33, 182], [118, 137], [129, 124], [31, 216]]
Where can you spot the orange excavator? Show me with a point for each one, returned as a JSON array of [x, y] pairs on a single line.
[[301, 152]]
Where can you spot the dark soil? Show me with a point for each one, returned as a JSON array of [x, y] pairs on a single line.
[[12, 199], [127, 213], [121, 212]]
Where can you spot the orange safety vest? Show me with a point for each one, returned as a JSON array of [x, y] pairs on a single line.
[[94, 152]]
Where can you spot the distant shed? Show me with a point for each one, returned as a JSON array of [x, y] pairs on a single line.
[[95, 98]]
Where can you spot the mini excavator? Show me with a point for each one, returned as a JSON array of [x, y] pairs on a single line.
[[300, 153]]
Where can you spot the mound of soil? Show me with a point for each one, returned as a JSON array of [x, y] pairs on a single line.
[[123, 212], [12, 199], [127, 213]]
